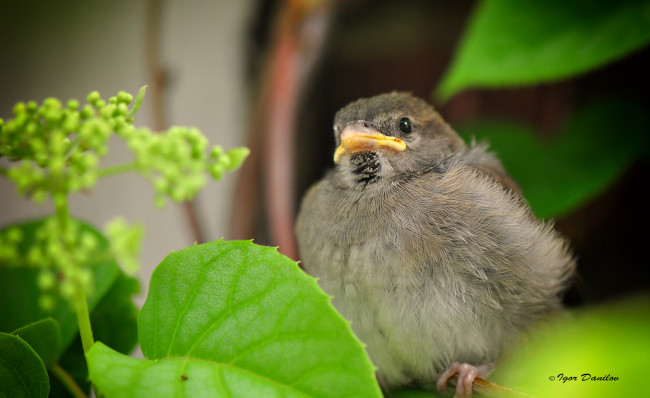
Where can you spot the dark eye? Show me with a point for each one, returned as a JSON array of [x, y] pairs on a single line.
[[405, 125]]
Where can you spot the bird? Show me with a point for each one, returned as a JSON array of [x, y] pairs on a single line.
[[427, 246]]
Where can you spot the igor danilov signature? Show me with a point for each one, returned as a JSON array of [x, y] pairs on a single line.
[[583, 377]]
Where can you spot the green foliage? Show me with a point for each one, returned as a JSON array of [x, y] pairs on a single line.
[[59, 273], [236, 319], [512, 42], [22, 373], [52, 332], [44, 337], [612, 340], [588, 154], [21, 282]]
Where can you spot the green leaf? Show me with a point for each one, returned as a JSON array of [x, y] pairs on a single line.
[[114, 322], [589, 154], [236, 319], [611, 340], [22, 374], [138, 101], [411, 393], [44, 337], [18, 286], [115, 319], [513, 42]]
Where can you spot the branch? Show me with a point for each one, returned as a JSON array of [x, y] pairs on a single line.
[[157, 74], [486, 388]]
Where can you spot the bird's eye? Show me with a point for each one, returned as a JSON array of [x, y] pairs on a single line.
[[405, 125]]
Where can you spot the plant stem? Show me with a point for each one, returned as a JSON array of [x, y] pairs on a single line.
[[83, 319], [80, 302], [67, 380], [121, 168], [61, 211]]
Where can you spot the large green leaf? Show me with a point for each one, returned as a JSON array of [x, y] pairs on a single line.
[[236, 319], [610, 342], [44, 337], [20, 293], [514, 42], [588, 154], [22, 373]]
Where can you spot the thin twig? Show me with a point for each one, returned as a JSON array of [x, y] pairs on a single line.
[[486, 388], [67, 380]]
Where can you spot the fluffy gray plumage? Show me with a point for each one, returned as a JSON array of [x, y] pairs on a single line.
[[430, 252]]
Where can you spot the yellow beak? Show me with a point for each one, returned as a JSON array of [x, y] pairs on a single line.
[[357, 137]]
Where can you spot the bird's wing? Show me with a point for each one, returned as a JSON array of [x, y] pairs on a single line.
[[485, 162]]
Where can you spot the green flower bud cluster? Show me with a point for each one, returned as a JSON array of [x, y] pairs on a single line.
[[54, 150], [176, 161], [57, 148], [57, 256], [125, 243], [9, 241]]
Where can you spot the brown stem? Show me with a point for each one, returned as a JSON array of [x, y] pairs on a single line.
[[486, 388], [298, 38], [157, 75]]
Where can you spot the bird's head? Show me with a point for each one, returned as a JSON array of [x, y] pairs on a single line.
[[388, 135]]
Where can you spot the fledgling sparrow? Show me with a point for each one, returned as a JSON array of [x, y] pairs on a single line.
[[426, 245]]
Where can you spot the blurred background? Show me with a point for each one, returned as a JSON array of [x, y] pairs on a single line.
[[570, 122]]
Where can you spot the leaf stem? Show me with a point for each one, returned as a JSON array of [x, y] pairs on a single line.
[[67, 380], [121, 168], [83, 318], [80, 302]]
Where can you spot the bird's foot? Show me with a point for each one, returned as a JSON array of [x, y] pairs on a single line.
[[466, 375]]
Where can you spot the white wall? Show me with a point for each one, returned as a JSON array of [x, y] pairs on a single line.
[[67, 49]]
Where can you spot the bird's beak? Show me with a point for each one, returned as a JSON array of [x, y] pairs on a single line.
[[357, 136]]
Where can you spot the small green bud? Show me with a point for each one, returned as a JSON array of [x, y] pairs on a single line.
[[19, 108], [88, 241], [52, 103], [46, 302], [35, 256], [225, 162], [161, 185], [85, 278], [73, 104], [88, 179], [39, 196], [107, 111], [56, 166], [122, 109], [46, 280], [124, 97], [41, 159], [14, 235], [87, 112], [112, 100], [216, 151], [32, 106], [216, 171], [67, 289], [93, 97]]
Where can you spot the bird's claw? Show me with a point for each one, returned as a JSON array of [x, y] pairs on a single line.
[[466, 375]]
